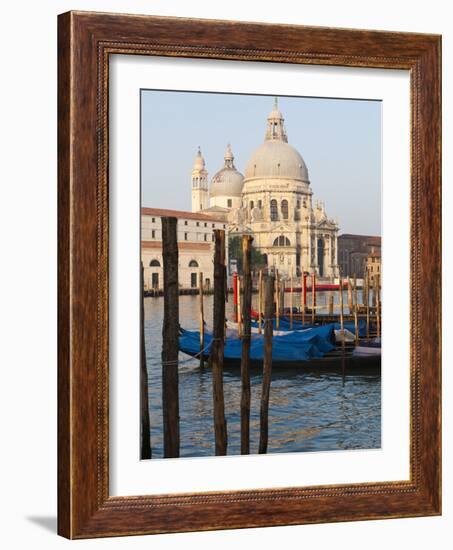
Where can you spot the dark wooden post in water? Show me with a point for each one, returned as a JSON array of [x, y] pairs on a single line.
[[356, 312], [313, 298], [364, 289], [367, 303], [170, 331], [217, 347], [291, 305], [245, 356], [239, 307], [267, 362], [145, 450], [260, 302], [277, 300], [200, 286], [235, 296], [341, 313], [378, 306], [304, 296], [282, 296]]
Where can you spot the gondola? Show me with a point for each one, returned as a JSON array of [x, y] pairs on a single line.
[[311, 349]]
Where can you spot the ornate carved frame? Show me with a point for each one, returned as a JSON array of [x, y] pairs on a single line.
[[85, 41]]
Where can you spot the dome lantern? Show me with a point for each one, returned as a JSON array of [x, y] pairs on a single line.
[[275, 125], [229, 158]]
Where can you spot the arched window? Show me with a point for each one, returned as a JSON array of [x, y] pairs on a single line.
[[285, 209], [274, 210], [251, 205], [154, 263], [193, 263], [282, 241], [260, 204], [298, 204]]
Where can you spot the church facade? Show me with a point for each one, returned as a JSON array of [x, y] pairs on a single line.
[[272, 202]]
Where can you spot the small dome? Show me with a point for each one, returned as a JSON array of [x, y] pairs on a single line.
[[227, 182], [276, 159], [199, 163]]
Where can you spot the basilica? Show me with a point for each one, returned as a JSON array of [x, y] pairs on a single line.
[[272, 202]]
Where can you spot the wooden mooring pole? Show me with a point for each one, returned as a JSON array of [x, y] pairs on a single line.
[[200, 286], [378, 307], [313, 298], [355, 306], [145, 450], [245, 353], [170, 333], [235, 296], [277, 300], [331, 305], [364, 290], [341, 313], [350, 296], [260, 302], [239, 307], [291, 304], [367, 282], [304, 296], [218, 343], [269, 285], [282, 296]]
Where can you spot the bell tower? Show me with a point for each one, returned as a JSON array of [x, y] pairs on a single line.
[[199, 184]]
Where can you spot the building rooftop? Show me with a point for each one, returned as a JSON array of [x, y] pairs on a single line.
[[162, 212], [374, 254], [181, 245], [371, 239]]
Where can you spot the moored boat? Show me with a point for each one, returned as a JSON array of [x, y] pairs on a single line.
[[313, 349]]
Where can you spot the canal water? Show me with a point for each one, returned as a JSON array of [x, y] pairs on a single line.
[[307, 411]]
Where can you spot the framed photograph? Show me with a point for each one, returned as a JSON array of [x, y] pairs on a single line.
[[249, 275]]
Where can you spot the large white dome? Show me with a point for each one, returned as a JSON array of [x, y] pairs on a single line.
[[276, 159]]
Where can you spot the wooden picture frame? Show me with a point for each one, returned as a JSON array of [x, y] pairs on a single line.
[[85, 41]]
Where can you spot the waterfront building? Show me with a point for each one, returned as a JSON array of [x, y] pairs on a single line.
[[272, 202], [353, 252], [373, 266], [195, 247]]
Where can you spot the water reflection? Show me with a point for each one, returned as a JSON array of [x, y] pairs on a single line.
[[307, 411]]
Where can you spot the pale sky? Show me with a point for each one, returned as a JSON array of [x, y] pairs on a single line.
[[340, 141]]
